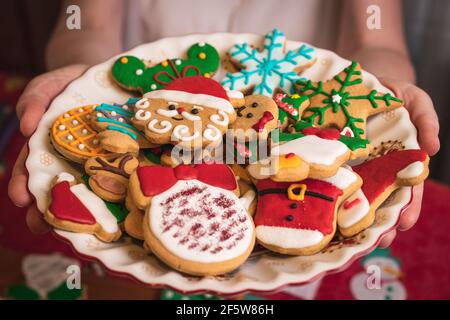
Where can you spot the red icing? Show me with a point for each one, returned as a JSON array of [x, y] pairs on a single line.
[[198, 85], [283, 105], [66, 206], [351, 204], [289, 155], [380, 173], [180, 110], [312, 213], [329, 134], [157, 179], [259, 126]]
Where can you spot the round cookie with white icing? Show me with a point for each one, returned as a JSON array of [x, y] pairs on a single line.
[[300, 218], [194, 220], [190, 112], [73, 207], [381, 176]]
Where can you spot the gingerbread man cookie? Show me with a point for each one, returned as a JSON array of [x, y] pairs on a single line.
[[190, 112], [194, 220], [73, 207], [109, 178], [134, 74], [300, 218], [381, 176]]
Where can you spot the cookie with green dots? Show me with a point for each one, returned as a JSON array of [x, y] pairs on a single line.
[[135, 74]]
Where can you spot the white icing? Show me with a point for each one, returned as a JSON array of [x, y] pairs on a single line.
[[142, 104], [221, 122], [81, 146], [158, 216], [84, 131], [191, 98], [167, 113], [190, 117], [64, 176], [66, 115], [413, 170], [62, 127], [288, 238], [75, 122], [248, 197], [80, 110], [342, 179], [153, 86], [336, 98], [70, 137], [173, 103], [99, 115], [113, 113], [347, 132], [96, 207], [139, 72], [235, 94], [348, 217], [142, 114], [166, 126], [211, 133], [178, 62], [313, 149], [182, 132]]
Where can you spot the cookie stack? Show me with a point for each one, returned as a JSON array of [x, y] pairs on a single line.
[[198, 171]]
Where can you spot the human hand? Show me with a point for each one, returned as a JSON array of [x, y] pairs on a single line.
[[32, 104], [424, 117]]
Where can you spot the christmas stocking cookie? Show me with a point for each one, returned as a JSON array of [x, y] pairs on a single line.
[[194, 220], [381, 176], [300, 218], [73, 207]]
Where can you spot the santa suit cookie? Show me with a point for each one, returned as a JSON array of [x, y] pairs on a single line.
[[194, 220], [300, 218], [381, 176], [73, 207], [191, 112]]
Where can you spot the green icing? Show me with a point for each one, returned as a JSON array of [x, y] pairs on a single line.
[[353, 77], [294, 101], [64, 293], [132, 73], [21, 292], [168, 294], [151, 156], [117, 209]]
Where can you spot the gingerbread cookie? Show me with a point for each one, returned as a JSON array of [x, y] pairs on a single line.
[[264, 72], [73, 136], [381, 176], [314, 153], [109, 178], [300, 218], [117, 134], [344, 102], [133, 222], [134, 74], [191, 112], [73, 207], [194, 220], [259, 114]]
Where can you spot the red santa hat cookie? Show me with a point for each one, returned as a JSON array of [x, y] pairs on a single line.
[[300, 218], [73, 207], [381, 176]]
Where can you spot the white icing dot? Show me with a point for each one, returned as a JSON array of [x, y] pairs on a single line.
[[139, 72], [80, 110], [75, 122], [178, 62], [113, 113], [125, 107], [95, 141], [121, 120], [201, 44], [99, 115], [81, 146], [84, 131], [70, 137], [66, 115], [62, 127], [153, 86], [336, 98]]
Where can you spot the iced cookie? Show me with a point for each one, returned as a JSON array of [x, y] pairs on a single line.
[[109, 178], [381, 176], [300, 218], [344, 102], [73, 136], [190, 112], [290, 107], [313, 153], [117, 134], [194, 220], [271, 69], [135, 74], [73, 207]]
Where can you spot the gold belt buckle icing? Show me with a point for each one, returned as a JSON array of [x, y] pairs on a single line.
[[292, 195]]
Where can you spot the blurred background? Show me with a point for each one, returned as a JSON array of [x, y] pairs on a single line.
[[26, 27]]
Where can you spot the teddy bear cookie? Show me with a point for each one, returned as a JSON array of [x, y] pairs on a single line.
[[313, 152], [191, 112], [109, 178], [73, 207], [381, 176], [73, 136], [300, 218], [116, 132], [194, 220], [271, 69], [134, 74], [344, 101]]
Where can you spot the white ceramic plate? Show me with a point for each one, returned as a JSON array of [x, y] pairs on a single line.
[[263, 271]]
